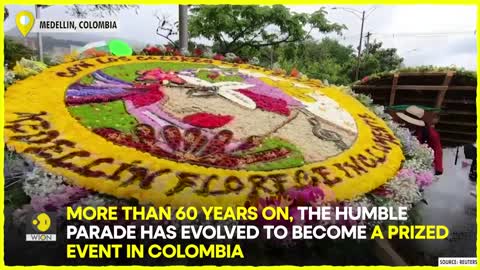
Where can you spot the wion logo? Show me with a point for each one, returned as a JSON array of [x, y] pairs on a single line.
[[41, 227]]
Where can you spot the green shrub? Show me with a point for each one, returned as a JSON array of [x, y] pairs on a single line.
[[15, 51]]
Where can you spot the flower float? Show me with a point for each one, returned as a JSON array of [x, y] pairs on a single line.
[[178, 130]]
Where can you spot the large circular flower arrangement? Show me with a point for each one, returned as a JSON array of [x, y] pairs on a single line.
[[191, 131]]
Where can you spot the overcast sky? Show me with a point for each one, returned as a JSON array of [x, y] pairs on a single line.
[[440, 35]]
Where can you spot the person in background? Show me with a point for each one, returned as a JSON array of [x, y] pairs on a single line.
[[473, 170], [473, 167], [470, 151], [425, 133]]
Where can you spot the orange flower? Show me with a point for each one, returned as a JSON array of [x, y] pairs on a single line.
[[294, 73], [92, 52]]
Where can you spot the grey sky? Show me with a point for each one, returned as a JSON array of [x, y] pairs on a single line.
[[440, 35]]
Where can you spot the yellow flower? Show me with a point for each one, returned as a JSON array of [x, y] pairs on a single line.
[[73, 56], [289, 88]]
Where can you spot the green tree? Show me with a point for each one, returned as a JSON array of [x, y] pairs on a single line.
[[375, 59], [14, 51], [326, 59], [241, 28]]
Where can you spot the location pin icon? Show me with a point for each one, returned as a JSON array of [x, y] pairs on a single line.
[[24, 22]]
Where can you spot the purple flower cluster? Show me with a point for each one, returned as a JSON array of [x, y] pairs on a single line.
[[406, 173], [424, 179], [94, 91], [59, 199], [103, 77], [305, 195]]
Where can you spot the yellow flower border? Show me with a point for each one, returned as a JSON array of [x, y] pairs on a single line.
[[201, 185]]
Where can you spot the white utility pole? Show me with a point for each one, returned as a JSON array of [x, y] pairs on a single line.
[[39, 35]]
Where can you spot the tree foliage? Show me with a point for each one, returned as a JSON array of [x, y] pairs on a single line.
[[330, 60], [237, 27], [326, 59], [376, 59], [14, 51]]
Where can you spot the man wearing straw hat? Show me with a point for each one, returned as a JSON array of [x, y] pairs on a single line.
[[413, 117]]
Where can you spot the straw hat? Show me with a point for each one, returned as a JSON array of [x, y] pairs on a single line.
[[413, 115]]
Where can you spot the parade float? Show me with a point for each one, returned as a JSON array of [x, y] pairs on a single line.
[[191, 131], [447, 92]]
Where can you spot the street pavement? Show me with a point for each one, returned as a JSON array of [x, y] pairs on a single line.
[[450, 203]]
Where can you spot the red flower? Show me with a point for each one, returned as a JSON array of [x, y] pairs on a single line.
[[207, 120], [267, 103], [95, 99], [157, 74], [192, 145], [197, 52], [213, 75], [152, 95], [383, 191], [177, 52], [169, 50], [218, 57], [238, 60], [365, 79], [152, 50]]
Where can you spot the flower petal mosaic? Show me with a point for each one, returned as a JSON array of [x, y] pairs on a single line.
[[191, 131]]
